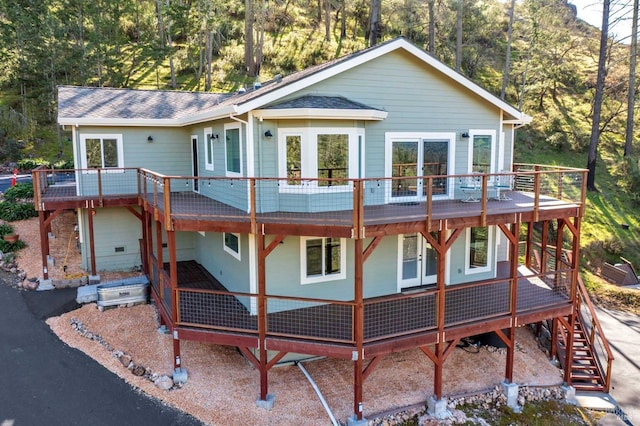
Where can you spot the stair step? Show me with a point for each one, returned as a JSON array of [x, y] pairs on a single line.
[[585, 376], [591, 387]]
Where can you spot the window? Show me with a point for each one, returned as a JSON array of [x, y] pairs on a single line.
[[208, 149], [323, 259], [233, 147], [101, 151], [482, 151], [478, 256], [333, 157], [293, 145], [232, 244]]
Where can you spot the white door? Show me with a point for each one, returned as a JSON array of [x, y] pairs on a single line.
[[417, 264], [412, 158]]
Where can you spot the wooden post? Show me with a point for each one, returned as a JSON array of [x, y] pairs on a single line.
[[44, 243], [92, 246], [441, 290], [358, 329], [515, 233], [173, 277], [262, 316], [527, 261], [543, 245], [160, 258]]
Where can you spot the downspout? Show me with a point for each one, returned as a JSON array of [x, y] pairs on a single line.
[[315, 388]]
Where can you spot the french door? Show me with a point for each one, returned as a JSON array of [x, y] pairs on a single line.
[[414, 157], [417, 261]]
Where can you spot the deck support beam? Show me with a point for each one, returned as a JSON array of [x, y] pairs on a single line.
[[513, 236], [262, 316], [44, 242], [92, 242], [358, 330], [173, 276]]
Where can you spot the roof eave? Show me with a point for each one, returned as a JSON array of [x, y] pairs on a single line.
[[321, 113], [129, 122]]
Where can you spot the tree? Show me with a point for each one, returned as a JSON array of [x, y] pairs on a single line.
[[507, 59], [597, 100], [432, 27], [249, 62], [459, 36], [631, 95], [375, 26]]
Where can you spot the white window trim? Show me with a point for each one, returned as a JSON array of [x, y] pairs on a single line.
[[231, 126], [491, 248], [391, 137], [229, 249], [482, 132], [101, 136], [304, 279], [309, 157], [208, 149]]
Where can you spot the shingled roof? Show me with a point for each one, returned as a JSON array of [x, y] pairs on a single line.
[[320, 102], [108, 103]]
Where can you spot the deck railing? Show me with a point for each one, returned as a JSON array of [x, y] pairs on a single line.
[[350, 203], [392, 316]]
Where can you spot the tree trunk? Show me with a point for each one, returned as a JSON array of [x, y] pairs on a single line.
[[374, 22], [597, 101], [343, 19], [327, 20], [631, 95], [459, 36], [432, 27], [249, 62], [507, 59]]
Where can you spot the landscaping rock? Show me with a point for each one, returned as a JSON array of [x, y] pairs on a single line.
[[164, 382]]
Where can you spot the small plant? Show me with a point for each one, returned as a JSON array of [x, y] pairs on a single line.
[[21, 191], [11, 212], [7, 247], [5, 229]]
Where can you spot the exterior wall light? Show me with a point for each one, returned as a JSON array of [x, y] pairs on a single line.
[[149, 139], [268, 134]]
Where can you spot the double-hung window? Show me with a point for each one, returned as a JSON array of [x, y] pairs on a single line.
[[323, 259], [101, 151]]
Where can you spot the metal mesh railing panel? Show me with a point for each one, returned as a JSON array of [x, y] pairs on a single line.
[[310, 319], [471, 303], [399, 316], [217, 310]]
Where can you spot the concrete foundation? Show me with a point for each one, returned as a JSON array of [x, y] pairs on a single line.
[[44, 285], [437, 408], [266, 404], [569, 393], [353, 421], [180, 375], [510, 391]]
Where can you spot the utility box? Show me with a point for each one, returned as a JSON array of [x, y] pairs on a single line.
[[122, 294]]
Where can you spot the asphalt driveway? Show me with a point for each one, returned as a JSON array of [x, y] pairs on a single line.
[[45, 382]]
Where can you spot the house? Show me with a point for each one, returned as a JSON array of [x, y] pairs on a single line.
[[357, 208]]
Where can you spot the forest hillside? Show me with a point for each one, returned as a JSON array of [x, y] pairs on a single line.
[[538, 56]]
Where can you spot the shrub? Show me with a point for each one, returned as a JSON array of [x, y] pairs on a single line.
[[22, 191], [5, 229], [6, 247], [11, 212], [32, 163]]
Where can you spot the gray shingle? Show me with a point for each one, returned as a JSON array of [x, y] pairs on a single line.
[[321, 102], [108, 103]]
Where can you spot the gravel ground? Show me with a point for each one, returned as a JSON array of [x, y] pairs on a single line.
[[223, 386]]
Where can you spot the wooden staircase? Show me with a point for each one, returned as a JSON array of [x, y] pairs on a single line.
[[586, 370]]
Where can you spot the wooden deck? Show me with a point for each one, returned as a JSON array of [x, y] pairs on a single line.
[[205, 305]]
